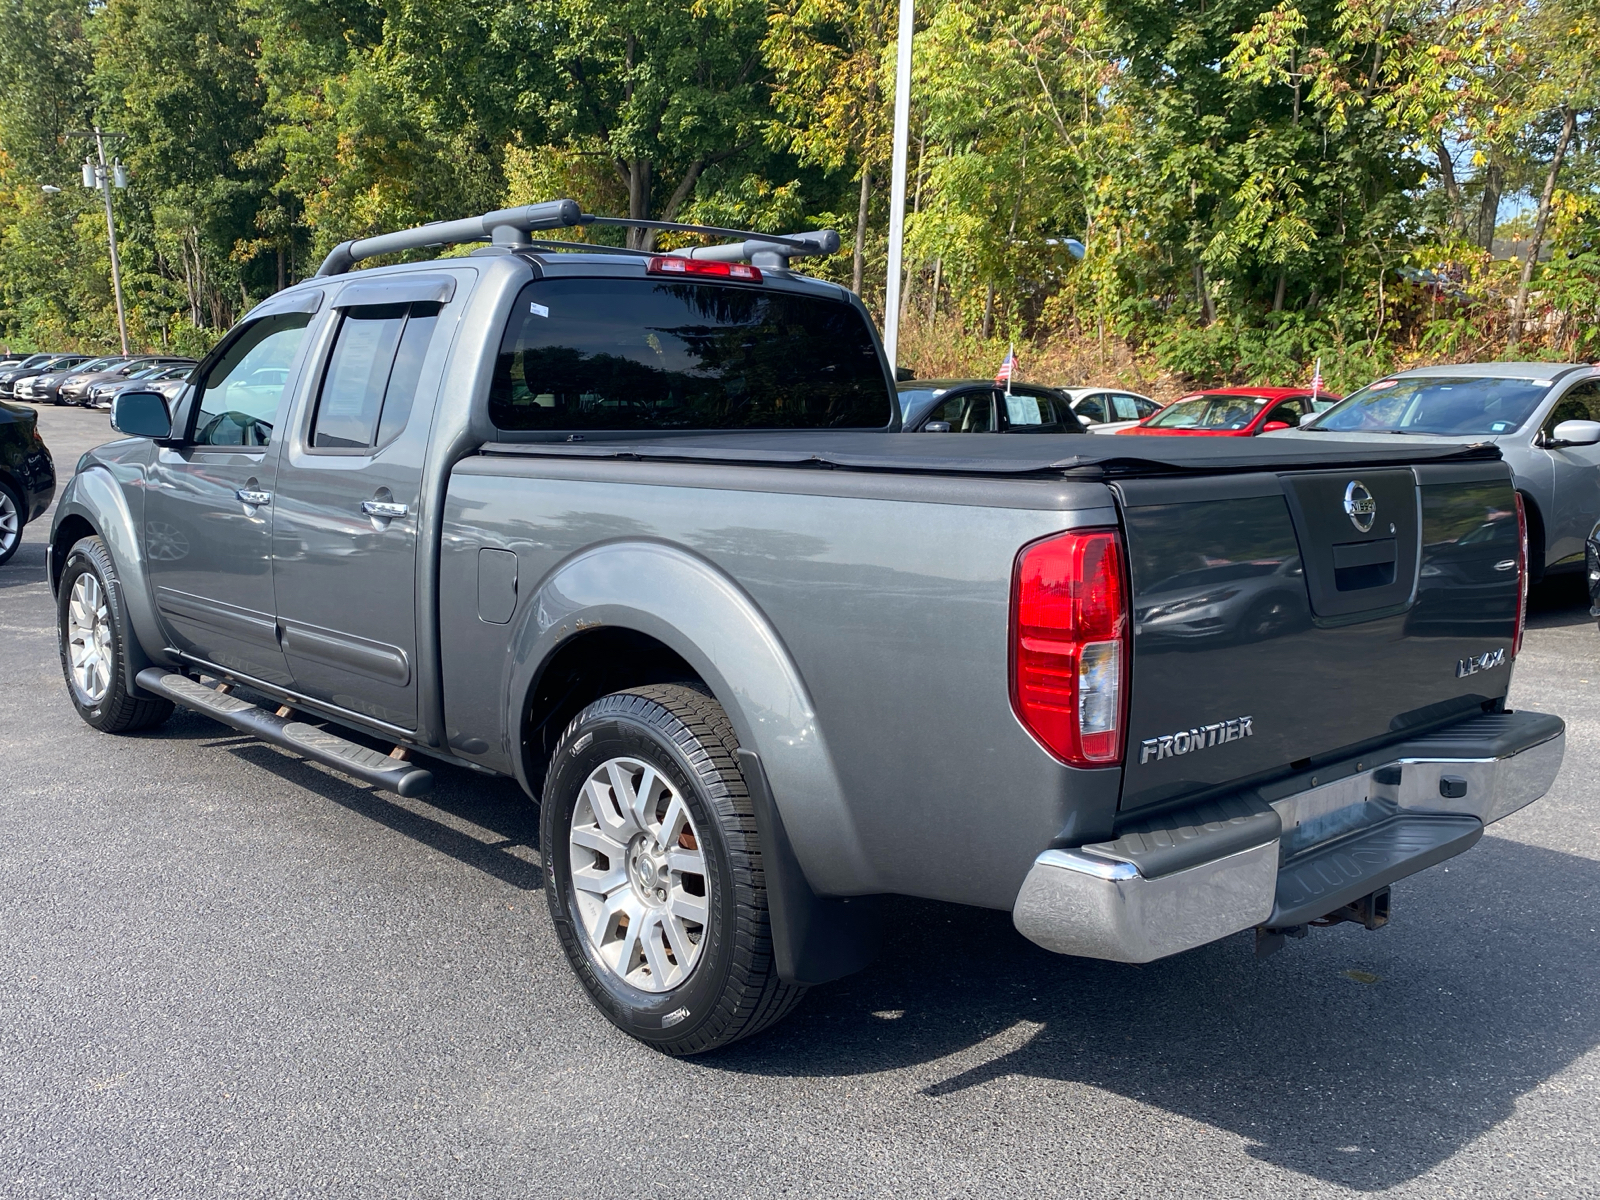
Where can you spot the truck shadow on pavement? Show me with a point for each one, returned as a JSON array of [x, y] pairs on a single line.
[[1364, 1059], [479, 821]]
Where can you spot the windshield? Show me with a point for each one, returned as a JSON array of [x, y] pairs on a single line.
[[648, 354], [1435, 404], [1209, 412]]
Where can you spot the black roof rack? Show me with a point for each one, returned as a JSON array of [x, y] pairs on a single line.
[[511, 227]]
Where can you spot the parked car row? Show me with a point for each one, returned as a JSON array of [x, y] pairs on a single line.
[[1544, 417], [73, 378]]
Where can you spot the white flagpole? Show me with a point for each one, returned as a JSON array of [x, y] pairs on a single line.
[[1011, 357], [897, 186]]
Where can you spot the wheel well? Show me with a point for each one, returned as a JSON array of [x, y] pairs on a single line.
[[1536, 552], [589, 666], [73, 529]]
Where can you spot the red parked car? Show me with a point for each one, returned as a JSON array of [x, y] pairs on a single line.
[[1235, 412]]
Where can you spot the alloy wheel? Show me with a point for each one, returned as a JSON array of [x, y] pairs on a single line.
[[89, 638], [10, 523], [639, 875]]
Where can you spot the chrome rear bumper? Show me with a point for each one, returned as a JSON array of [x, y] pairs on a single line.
[[1155, 891]]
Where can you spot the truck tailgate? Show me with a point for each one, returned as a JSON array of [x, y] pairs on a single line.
[[1284, 617]]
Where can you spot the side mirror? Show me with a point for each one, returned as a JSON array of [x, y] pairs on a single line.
[[1274, 426], [1575, 433], [936, 427], [141, 414], [1308, 418]]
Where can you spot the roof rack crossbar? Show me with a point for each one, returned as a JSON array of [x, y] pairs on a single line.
[[510, 227]]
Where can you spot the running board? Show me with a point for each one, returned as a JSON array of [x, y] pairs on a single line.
[[331, 750]]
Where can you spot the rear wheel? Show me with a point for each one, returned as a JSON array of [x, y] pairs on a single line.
[[11, 522], [653, 871], [92, 627]]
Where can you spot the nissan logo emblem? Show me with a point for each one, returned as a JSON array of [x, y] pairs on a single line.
[[1359, 506]]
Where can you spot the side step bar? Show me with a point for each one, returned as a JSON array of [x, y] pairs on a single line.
[[327, 748]]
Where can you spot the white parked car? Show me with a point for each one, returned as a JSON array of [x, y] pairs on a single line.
[[1106, 410]]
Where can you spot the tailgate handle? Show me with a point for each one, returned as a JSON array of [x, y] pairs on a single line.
[[1358, 565]]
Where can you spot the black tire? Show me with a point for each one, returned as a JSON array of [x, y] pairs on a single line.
[[10, 497], [118, 710], [733, 989]]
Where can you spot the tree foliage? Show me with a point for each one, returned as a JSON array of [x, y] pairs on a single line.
[[1260, 183]]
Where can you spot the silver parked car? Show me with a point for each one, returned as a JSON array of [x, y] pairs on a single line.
[[1107, 410], [1545, 417]]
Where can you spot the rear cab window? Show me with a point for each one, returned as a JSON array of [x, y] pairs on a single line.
[[632, 354]]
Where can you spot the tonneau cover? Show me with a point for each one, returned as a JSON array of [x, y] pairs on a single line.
[[1005, 454]]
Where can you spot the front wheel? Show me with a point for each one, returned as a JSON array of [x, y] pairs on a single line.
[[92, 627], [13, 515], [653, 871]]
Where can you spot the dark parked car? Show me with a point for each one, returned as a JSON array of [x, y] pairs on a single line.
[[980, 406], [27, 474], [17, 376]]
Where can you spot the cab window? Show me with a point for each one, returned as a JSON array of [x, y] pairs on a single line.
[[1582, 403], [966, 412], [239, 396]]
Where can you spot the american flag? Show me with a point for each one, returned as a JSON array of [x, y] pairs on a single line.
[[1003, 375], [1316, 379]]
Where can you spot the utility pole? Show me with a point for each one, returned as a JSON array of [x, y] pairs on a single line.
[[897, 186], [100, 174]]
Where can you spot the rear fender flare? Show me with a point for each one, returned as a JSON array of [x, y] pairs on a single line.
[[687, 604], [95, 496]]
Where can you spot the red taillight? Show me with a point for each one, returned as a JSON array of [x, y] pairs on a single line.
[[1522, 575], [671, 264], [1069, 645]]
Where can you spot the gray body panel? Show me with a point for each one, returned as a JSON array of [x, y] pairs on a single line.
[[866, 667]]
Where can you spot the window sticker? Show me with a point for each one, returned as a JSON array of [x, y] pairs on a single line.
[[538, 310], [1024, 410], [1381, 385]]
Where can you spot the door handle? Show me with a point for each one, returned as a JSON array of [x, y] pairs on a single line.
[[384, 509], [253, 498]]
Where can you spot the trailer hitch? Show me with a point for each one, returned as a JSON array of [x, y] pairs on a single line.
[[1370, 912]]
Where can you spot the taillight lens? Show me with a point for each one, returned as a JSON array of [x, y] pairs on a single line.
[[671, 264], [1522, 575], [1069, 645]]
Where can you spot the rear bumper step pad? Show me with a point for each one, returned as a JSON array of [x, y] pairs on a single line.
[[1329, 877], [310, 741], [1170, 883]]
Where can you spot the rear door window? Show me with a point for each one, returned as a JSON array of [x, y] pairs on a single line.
[[370, 384], [1125, 406], [652, 354]]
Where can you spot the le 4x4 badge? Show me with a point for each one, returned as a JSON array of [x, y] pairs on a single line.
[[1481, 662]]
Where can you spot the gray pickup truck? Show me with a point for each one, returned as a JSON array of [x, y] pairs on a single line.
[[640, 531]]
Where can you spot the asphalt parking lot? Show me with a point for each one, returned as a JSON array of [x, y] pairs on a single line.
[[225, 971]]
